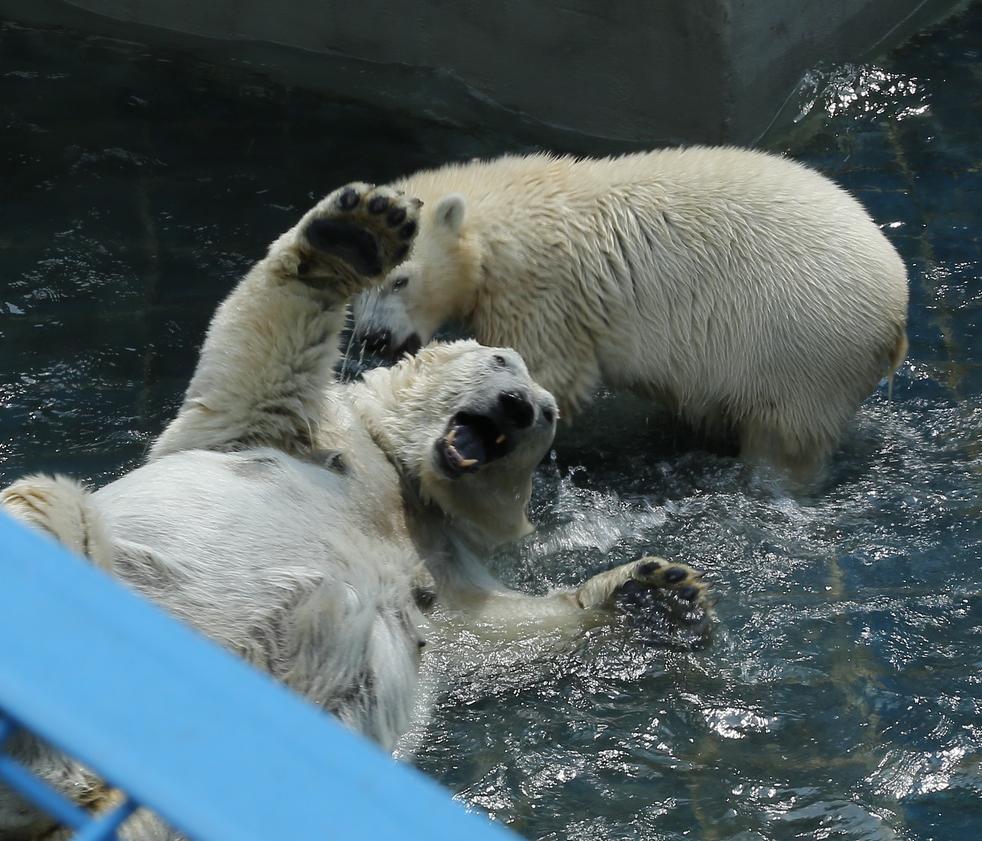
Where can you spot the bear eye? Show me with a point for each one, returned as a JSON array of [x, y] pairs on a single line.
[[499, 360], [400, 282]]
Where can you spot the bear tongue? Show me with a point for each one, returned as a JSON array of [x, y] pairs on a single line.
[[468, 444]]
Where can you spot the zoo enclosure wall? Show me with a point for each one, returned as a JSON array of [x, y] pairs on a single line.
[[597, 75]]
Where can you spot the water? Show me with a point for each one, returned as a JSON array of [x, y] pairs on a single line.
[[841, 697]]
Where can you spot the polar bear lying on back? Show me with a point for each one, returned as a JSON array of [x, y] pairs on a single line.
[[302, 523], [747, 292]]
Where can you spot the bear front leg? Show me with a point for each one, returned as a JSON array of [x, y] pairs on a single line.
[[270, 351]]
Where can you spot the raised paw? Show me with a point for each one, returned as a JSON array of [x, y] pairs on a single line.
[[352, 237]]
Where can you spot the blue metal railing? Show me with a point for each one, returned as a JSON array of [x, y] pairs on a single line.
[[216, 749], [90, 827]]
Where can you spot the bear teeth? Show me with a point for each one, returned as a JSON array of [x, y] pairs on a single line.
[[455, 454]]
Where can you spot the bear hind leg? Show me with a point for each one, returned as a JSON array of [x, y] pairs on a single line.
[[62, 508], [798, 454]]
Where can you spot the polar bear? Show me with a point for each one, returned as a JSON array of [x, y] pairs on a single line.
[[748, 293], [309, 526]]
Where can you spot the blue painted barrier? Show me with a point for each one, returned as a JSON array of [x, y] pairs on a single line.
[[215, 748]]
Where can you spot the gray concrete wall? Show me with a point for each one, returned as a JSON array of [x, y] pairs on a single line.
[[622, 73]]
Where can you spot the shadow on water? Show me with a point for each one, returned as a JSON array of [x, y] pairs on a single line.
[[841, 697]]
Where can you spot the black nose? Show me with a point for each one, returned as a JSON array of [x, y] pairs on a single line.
[[378, 341], [517, 408]]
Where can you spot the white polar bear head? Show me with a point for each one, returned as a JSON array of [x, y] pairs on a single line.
[[467, 425], [436, 285]]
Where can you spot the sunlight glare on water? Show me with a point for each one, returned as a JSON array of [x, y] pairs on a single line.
[[864, 88]]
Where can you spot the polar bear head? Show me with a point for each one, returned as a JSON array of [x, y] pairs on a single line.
[[436, 285], [467, 425]]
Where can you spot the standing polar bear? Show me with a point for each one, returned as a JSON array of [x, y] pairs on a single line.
[[306, 525], [747, 292]]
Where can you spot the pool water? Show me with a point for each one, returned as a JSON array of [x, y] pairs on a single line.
[[841, 695]]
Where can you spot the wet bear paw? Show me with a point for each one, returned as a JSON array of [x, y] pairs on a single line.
[[671, 601], [679, 581], [680, 586], [351, 239]]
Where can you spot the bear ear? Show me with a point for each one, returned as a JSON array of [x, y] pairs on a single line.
[[450, 212]]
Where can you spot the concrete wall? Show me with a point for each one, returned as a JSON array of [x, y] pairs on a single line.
[[623, 73]]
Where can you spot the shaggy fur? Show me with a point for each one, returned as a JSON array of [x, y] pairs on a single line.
[[745, 291], [300, 523]]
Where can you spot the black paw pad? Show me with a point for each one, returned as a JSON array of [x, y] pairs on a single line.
[[689, 593], [674, 575], [378, 204], [356, 246], [396, 216], [408, 230], [648, 567], [348, 199], [401, 254]]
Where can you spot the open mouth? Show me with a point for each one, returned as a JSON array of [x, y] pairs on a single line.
[[470, 442]]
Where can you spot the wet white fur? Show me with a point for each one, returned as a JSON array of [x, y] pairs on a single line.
[[746, 291], [290, 518]]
